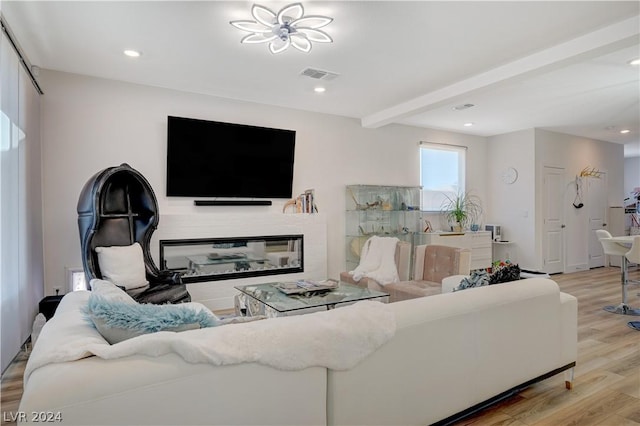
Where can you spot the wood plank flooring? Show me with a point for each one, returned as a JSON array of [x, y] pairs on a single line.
[[607, 380], [607, 377]]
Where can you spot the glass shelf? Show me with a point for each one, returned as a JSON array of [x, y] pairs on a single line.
[[390, 211]]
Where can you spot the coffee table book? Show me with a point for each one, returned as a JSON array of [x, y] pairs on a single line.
[[306, 286]]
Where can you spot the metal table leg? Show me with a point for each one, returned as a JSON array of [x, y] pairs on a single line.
[[623, 308]]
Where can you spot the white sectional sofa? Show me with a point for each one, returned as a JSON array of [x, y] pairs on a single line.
[[450, 354]]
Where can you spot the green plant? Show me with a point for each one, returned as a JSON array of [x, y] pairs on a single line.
[[461, 208]]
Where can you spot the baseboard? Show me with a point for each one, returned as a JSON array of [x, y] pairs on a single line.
[[576, 268]]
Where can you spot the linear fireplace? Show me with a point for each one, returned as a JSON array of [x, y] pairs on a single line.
[[213, 259]]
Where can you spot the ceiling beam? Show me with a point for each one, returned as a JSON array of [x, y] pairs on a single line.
[[608, 39]]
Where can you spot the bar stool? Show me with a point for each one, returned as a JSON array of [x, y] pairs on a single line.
[[614, 249], [634, 256]]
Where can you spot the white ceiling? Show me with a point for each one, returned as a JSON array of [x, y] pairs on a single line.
[[560, 66]]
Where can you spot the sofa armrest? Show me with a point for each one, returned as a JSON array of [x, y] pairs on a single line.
[[569, 327], [164, 277]]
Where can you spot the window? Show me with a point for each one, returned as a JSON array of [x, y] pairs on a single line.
[[21, 260], [441, 172]]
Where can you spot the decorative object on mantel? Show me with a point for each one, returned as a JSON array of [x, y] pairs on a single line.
[[303, 203], [289, 27], [461, 208]]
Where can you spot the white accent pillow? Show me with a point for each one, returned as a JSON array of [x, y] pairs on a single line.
[[109, 291], [123, 265]]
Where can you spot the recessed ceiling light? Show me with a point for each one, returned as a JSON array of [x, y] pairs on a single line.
[[635, 61], [624, 131], [319, 89], [132, 53], [468, 124]]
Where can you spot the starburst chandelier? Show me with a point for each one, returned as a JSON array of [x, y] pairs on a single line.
[[289, 27]]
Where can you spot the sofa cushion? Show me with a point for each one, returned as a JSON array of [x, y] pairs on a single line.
[[510, 272], [405, 290], [477, 278], [440, 262], [117, 321], [109, 291], [123, 265]]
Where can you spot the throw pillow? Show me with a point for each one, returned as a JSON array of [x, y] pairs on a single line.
[[123, 265], [505, 274], [117, 321], [477, 278], [109, 291]]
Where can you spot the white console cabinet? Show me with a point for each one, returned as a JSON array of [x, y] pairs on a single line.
[[478, 242]]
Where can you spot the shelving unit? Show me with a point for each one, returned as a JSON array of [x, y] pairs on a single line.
[[392, 211]]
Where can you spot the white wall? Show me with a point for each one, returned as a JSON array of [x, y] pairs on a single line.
[[513, 205], [574, 153], [631, 174], [89, 124], [518, 207]]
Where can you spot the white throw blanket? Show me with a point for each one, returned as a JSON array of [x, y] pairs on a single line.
[[377, 261], [338, 339]]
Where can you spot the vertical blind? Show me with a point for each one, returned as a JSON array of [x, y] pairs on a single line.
[[21, 257]]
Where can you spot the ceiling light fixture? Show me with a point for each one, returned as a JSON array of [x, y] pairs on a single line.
[[635, 61], [468, 124], [625, 131], [289, 27], [132, 53], [319, 89]]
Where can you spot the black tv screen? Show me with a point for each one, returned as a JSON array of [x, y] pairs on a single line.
[[215, 159]]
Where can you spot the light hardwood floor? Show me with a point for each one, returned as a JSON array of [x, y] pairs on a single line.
[[607, 381]]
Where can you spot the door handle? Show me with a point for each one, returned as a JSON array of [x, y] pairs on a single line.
[[604, 224], [563, 226]]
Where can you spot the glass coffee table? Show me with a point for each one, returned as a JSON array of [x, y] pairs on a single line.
[[267, 300]]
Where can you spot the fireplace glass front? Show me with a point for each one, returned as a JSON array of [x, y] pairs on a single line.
[[211, 259]]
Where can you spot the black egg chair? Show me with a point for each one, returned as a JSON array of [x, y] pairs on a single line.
[[117, 207]]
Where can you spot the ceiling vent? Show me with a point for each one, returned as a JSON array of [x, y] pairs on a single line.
[[319, 74], [463, 106]]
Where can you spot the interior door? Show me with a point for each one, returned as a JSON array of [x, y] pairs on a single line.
[[553, 235], [596, 201]]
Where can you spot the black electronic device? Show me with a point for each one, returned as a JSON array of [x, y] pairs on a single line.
[[216, 159]]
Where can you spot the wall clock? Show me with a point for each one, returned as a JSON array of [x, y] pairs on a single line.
[[509, 175]]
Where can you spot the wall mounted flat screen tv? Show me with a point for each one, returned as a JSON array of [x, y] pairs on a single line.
[[215, 159]]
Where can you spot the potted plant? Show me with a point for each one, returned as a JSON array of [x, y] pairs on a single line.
[[461, 208]]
